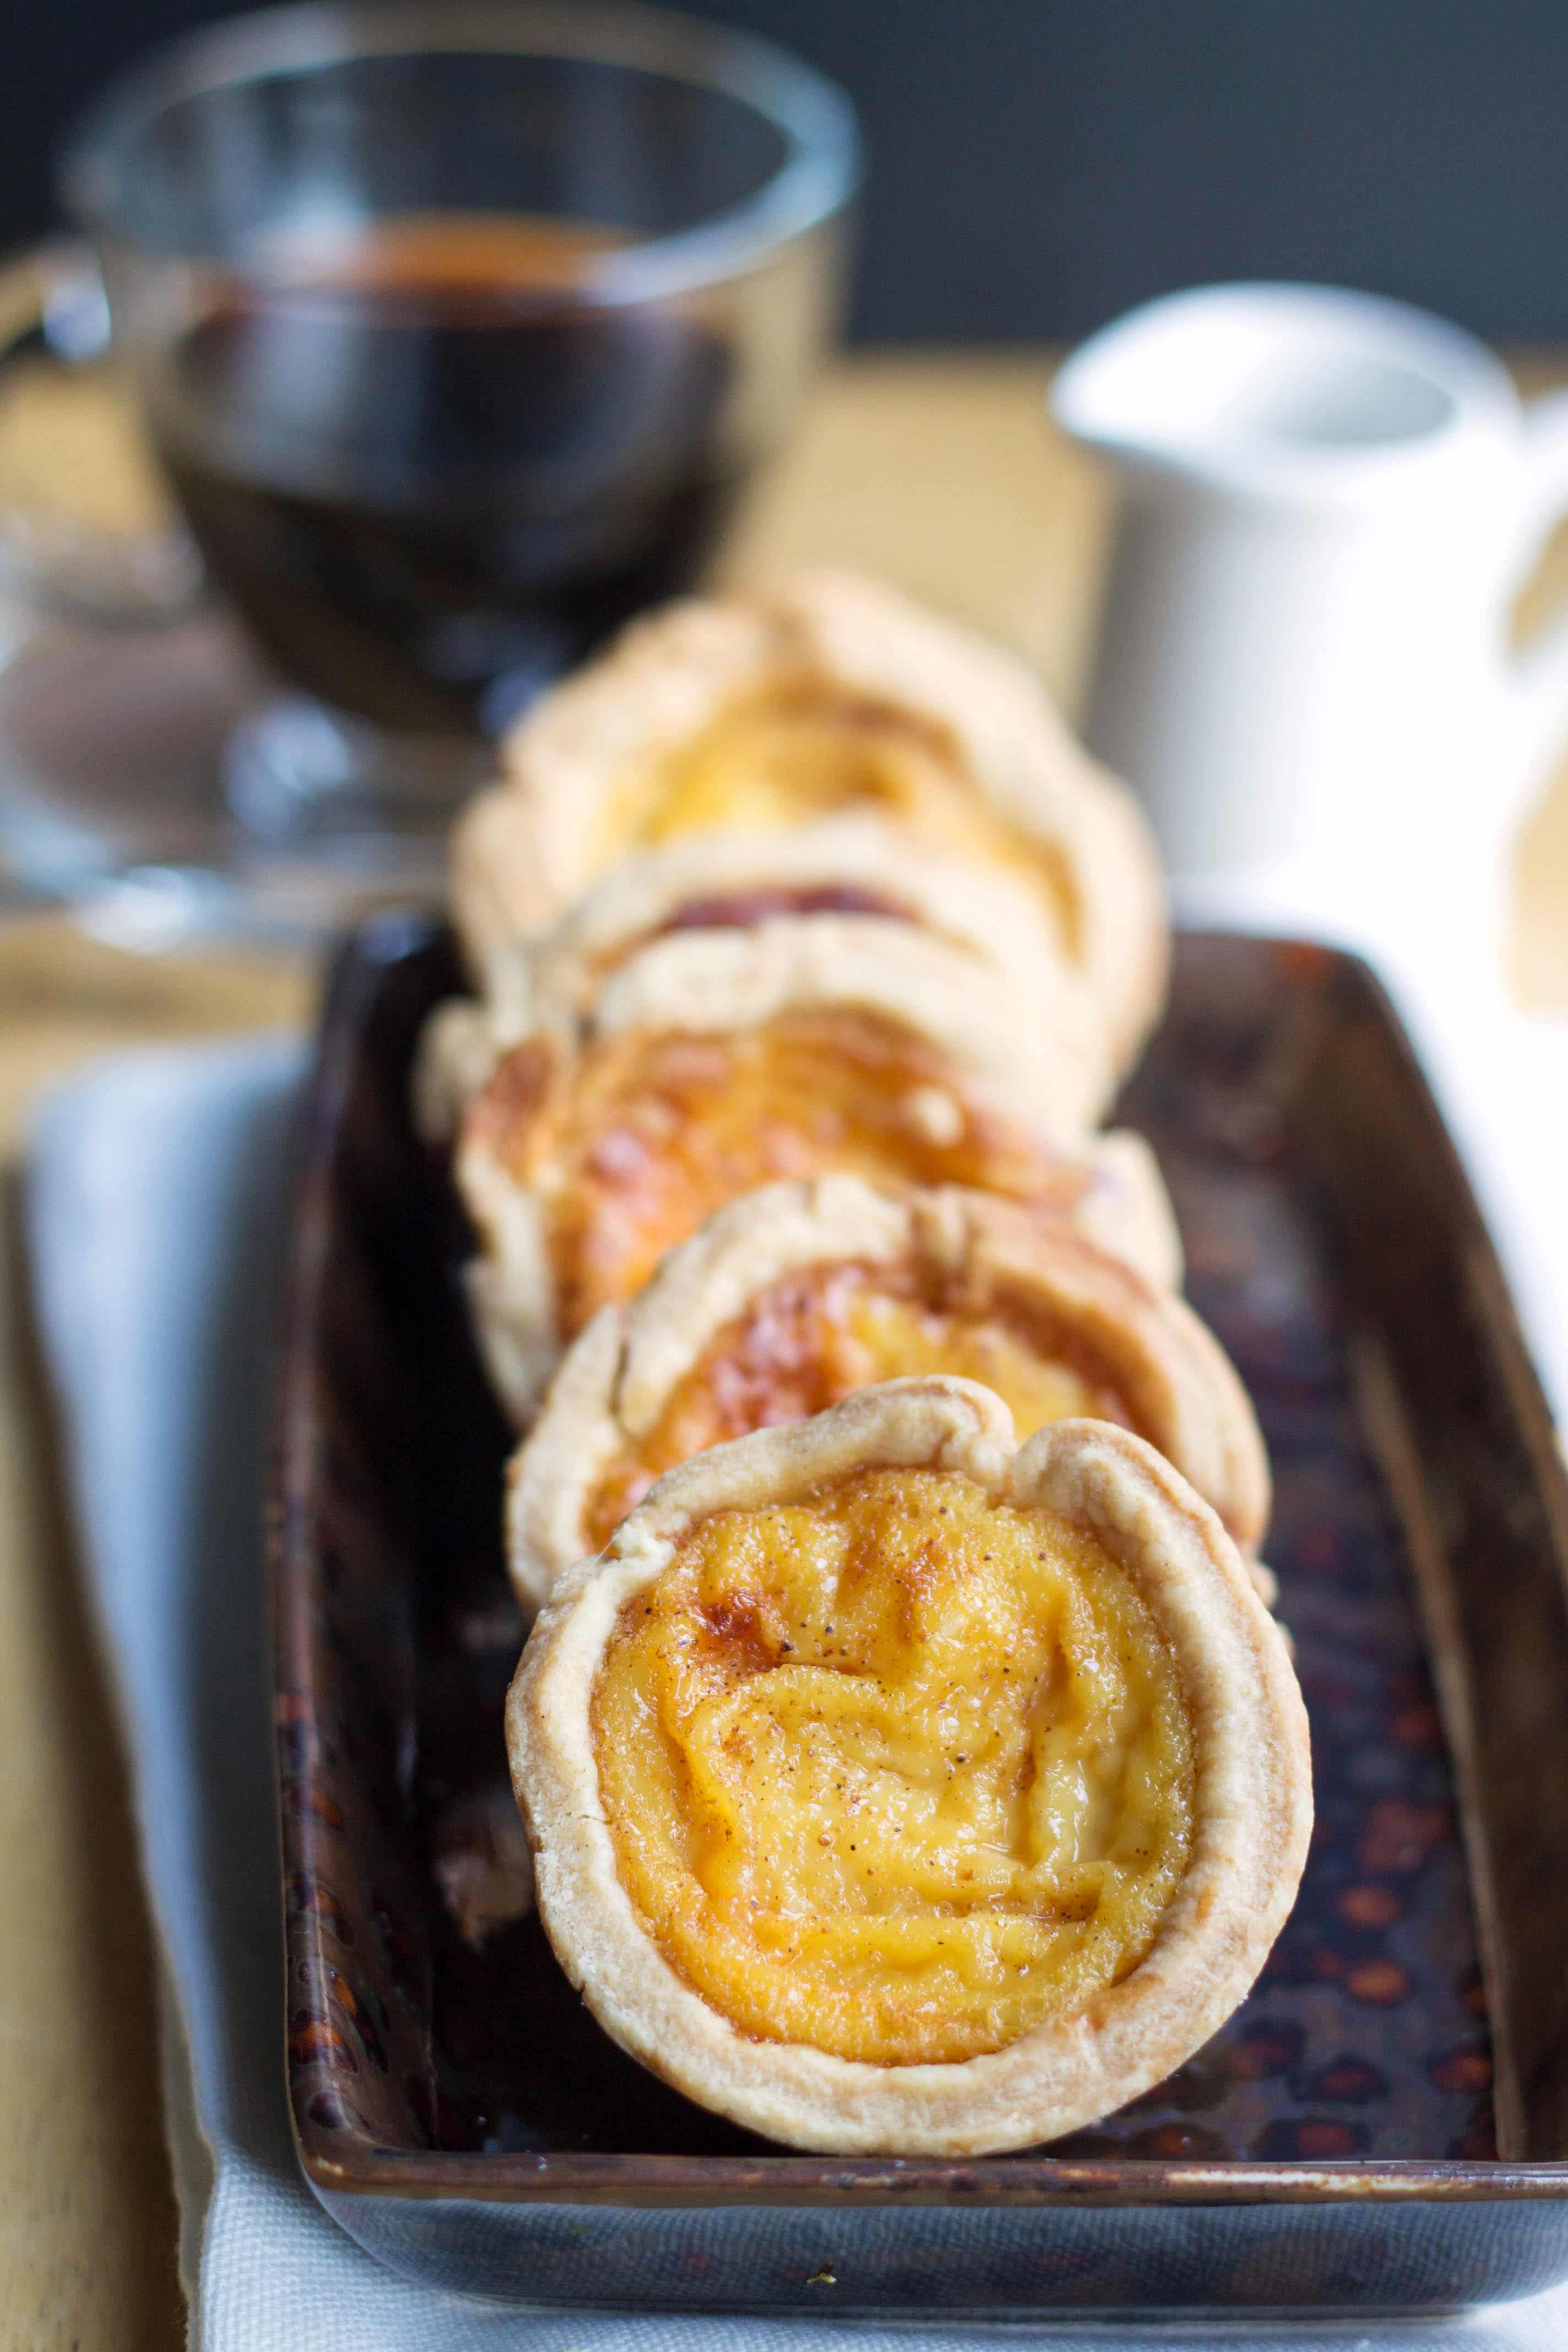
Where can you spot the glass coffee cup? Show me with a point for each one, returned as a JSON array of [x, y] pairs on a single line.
[[458, 328]]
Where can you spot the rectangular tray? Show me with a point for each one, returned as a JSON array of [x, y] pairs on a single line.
[[1382, 2124]]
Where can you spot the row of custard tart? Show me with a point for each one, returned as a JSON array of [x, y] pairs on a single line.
[[888, 1790], [781, 885]]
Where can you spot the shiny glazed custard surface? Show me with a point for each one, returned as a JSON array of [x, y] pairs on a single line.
[[897, 1773], [653, 1133], [813, 1336], [798, 753]]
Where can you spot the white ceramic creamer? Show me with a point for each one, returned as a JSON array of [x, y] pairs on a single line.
[[1328, 504]]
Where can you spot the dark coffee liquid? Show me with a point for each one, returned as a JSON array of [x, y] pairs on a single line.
[[433, 475]]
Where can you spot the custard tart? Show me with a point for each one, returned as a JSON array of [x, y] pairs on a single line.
[[891, 1789], [793, 1296], [716, 1061], [823, 695], [829, 873]]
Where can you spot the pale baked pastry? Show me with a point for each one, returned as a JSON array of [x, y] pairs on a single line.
[[893, 1790], [716, 1061], [793, 1296], [827, 693]]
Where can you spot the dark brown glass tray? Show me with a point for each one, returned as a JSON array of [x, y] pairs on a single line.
[[1385, 2122]]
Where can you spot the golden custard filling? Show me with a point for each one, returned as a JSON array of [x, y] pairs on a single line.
[[813, 1338], [896, 1771], [651, 1134], [798, 753]]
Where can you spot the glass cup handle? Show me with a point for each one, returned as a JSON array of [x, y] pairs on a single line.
[[147, 573]]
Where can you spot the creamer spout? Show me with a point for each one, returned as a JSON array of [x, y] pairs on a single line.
[[1302, 393]]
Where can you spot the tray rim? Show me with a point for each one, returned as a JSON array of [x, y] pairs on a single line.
[[338, 2167]]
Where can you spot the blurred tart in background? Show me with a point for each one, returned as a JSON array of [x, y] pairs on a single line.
[[824, 696], [843, 870], [715, 1061]]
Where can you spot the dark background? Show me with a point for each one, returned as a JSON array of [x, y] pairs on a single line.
[[1039, 164]]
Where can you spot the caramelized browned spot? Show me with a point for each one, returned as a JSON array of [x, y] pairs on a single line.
[[741, 910], [813, 1336], [508, 1108]]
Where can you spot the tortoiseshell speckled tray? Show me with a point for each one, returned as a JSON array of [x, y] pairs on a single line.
[[1382, 2124]]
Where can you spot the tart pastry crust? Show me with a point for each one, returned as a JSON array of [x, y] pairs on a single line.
[[979, 1090], [966, 1251], [1250, 1791], [524, 851]]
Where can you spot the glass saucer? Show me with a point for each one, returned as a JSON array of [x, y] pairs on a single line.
[[135, 763]]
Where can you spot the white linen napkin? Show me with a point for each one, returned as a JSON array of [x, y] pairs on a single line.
[[157, 1204]]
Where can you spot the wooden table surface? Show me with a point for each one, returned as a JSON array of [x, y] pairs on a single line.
[[939, 473]]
